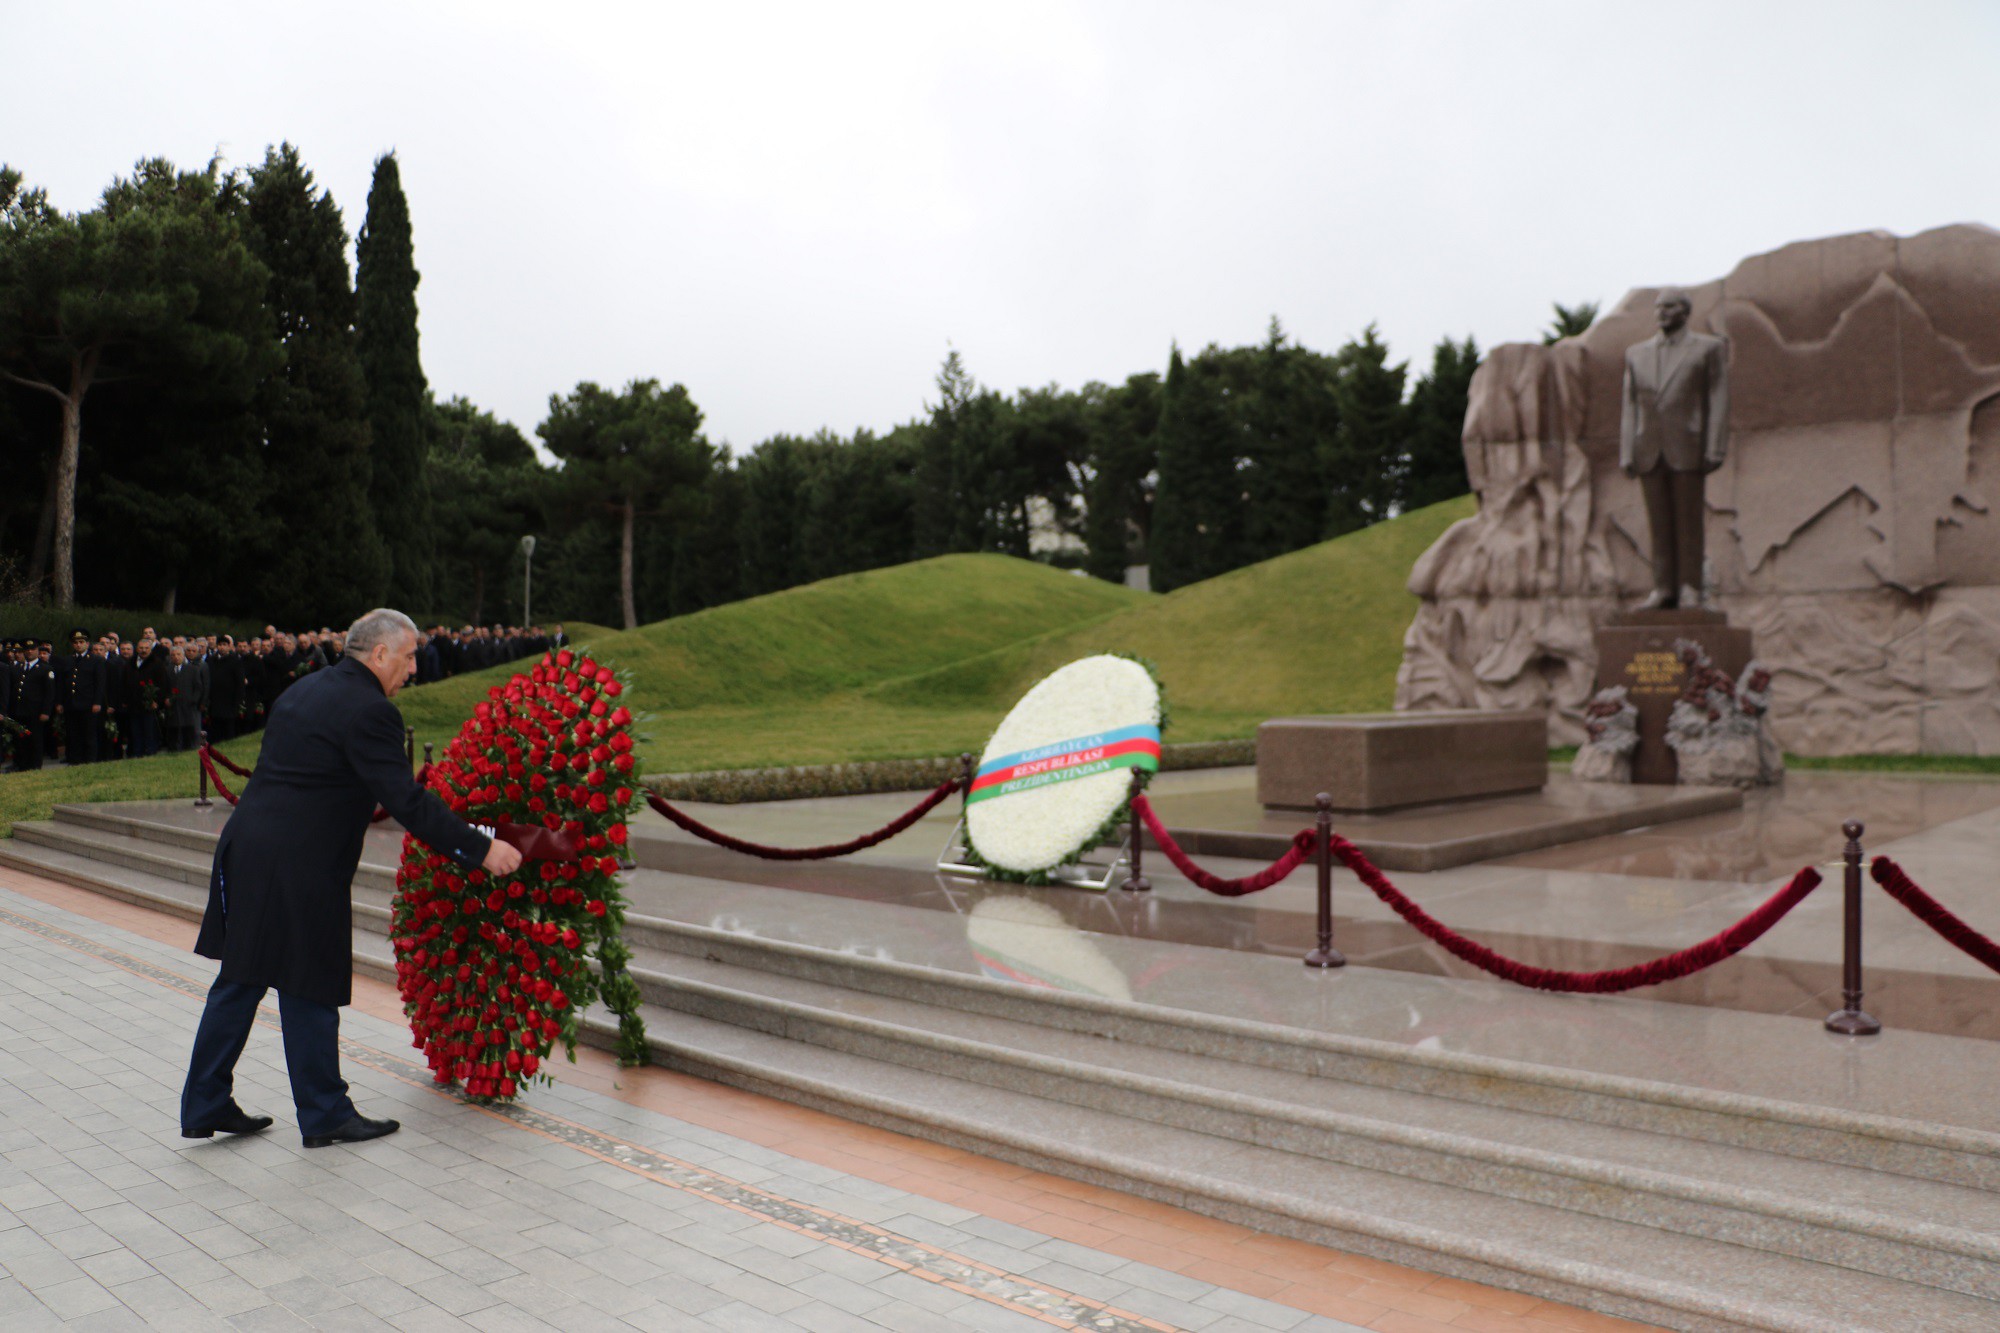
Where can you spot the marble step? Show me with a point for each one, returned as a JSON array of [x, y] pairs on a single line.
[[1680, 1281], [1818, 1133], [165, 877], [1944, 1153], [1938, 1234], [79, 824]]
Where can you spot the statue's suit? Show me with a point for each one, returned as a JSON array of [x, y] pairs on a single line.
[[1673, 431]]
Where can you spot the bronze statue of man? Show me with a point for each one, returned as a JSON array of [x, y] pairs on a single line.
[[1673, 432]]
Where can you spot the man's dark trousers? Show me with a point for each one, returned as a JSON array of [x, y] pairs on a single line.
[[312, 1058], [79, 736]]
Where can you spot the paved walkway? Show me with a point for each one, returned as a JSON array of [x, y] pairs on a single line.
[[615, 1199]]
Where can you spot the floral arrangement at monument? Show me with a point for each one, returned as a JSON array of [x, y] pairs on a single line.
[[493, 970], [1056, 778], [1720, 728]]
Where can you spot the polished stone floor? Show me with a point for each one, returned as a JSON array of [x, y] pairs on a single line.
[[614, 1199], [1601, 903]]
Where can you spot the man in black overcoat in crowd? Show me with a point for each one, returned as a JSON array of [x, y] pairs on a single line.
[[225, 690], [280, 890]]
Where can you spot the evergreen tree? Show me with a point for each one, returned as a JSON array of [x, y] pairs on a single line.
[[940, 527], [638, 451], [1118, 510], [1434, 469], [774, 479], [314, 410], [857, 502], [1570, 320], [386, 277], [1364, 468], [1197, 511], [708, 546], [154, 284], [488, 496], [1286, 401]]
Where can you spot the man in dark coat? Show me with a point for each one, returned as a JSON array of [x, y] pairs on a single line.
[[280, 891], [34, 699], [225, 690], [80, 695]]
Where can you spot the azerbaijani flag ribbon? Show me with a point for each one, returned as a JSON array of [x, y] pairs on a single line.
[[1065, 761]]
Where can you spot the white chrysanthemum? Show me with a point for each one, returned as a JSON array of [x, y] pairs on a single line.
[[1044, 827]]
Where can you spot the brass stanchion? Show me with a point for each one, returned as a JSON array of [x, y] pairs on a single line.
[[1850, 1020], [1325, 955], [201, 801], [1135, 876]]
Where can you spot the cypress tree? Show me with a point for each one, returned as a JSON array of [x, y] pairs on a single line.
[[1118, 512], [387, 280], [940, 525], [329, 563], [1285, 400]]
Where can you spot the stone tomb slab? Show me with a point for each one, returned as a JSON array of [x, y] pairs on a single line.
[[1437, 837], [1370, 762]]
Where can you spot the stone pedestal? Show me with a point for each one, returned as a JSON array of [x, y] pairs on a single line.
[[1636, 650], [1386, 761]]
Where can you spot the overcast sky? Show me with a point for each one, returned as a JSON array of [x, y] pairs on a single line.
[[796, 210]]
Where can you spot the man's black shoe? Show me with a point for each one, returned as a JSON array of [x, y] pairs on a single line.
[[238, 1121], [358, 1130]]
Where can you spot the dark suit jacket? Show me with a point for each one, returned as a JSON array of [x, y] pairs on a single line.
[[79, 681], [1676, 406], [34, 692], [280, 891]]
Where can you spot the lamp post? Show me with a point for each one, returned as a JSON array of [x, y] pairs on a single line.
[[527, 576]]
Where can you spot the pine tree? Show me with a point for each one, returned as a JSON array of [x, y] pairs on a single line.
[[386, 278], [774, 479], [1434, 469], [708, 559], [329, 563], [1197, 514]]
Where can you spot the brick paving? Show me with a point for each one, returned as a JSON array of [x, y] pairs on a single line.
[[614, 1199]]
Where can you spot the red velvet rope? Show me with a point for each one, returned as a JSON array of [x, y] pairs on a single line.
[[214, 777], [226, 761], [1934, 913], [866, 840], [1304, 843], [208, 754], [1668, 967]]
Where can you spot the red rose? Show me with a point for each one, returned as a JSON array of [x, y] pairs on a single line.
[[598, 804], [565, 657], [595, 907], [587, 667], [618, 834], [621, 717], [613, 690], [571, 939], [623, 796], [623, 763]]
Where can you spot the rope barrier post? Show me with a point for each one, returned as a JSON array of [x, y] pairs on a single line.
[[427, 754], [1850, 1020], [201, 801], [1135, 876], [966, 773], [410, 746], [1325, 955]]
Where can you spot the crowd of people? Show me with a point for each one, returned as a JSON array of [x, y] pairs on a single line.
[[113, 698]]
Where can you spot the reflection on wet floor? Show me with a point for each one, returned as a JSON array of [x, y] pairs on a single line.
[[1598, 904]]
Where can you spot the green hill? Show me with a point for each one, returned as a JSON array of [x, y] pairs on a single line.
[[1317, 631], [783, 650]]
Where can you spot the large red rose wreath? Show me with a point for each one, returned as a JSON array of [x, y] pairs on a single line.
[[493, 970]]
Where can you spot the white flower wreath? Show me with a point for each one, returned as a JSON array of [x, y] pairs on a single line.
[[1059, 765]]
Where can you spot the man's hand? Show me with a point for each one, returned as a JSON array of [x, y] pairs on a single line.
[[502, 858]]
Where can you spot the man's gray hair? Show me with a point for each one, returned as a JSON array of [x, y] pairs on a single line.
[[382, 625]]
